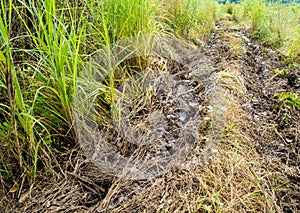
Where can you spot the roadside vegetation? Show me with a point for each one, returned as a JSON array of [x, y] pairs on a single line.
[[274, 23], [44, 47]]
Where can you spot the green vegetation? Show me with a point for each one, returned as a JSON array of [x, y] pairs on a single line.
[[274, 23], [190, 18], [43, 48], [289, 99], [282, 72]]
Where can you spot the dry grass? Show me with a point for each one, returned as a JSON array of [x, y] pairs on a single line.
[[232, 180]]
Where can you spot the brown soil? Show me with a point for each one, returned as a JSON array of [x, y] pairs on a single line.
[[253, 167]]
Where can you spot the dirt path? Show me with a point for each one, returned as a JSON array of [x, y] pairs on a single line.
[[254, 167], [274, 127]]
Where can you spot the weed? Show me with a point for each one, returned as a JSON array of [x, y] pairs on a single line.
[[5, 174], [289, 99], [282, 72]]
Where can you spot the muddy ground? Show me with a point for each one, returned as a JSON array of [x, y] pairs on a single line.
[[267, 140]]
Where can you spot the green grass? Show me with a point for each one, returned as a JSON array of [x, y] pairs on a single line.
[[274, 23], [289, 99], [190, 18], [40, 62]]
